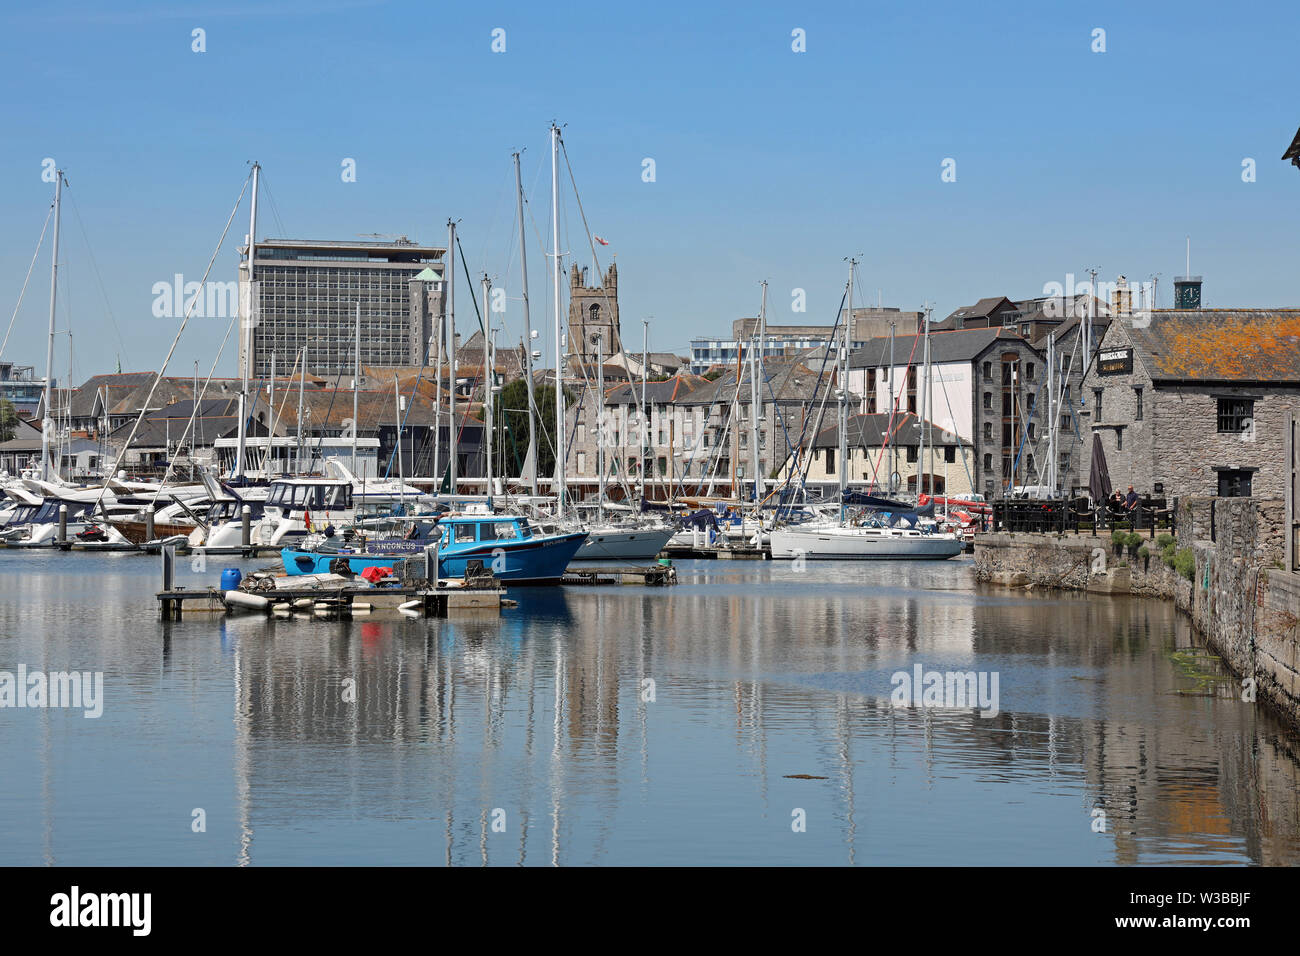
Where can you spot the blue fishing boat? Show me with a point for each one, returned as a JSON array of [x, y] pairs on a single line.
[[508, 546]]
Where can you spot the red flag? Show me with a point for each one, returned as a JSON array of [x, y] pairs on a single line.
[[603, 242], [306, 516]]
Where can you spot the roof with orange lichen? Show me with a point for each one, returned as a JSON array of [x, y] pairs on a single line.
[[1221, 345]]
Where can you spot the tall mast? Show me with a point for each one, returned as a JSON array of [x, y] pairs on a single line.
[[397, 413], [893, 450], [927, 436], [841, 387], [600, 430], [356, 386], [437, 403], [559, 357], [47, 424], [531, 477], [491, 378], [756, 399], [645, 409], [302, 378], [270, 435], [246, 332], [1051, 412], [451, 346]]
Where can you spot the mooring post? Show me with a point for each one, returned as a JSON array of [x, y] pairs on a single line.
[[246, 525], [63, 524], [431, 565], [149, 522], [168, 566]]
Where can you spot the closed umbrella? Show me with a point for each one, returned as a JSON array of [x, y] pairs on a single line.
[[1099, 475]]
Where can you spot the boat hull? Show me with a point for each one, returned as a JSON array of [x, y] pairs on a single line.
[[137, 532], [617, 544], [540, 560], [868, 544]]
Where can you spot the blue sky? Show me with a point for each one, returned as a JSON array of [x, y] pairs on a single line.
[[770, 164]]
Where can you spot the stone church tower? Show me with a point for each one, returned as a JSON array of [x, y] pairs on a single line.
[[593, 310]]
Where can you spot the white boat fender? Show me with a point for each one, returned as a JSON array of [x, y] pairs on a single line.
[[360, 607], [410, 606], [244, 599]]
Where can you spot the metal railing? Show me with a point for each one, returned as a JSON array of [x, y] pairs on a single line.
[[1081, 516]]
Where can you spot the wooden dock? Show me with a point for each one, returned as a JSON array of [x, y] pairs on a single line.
[[719, 552], [654, 575], [344, 601]]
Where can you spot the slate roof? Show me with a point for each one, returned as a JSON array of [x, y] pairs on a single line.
[[1221, 345], [869, 431], [790, 382], [957, 345], [666, 392]]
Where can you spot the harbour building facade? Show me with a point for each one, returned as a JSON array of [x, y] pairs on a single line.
[[305, 293]]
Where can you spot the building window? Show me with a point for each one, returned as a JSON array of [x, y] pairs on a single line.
[[949, 453], [1235, 414], [911, 454], [1234, 484], [1096, 406], [1119, 439], [830, 461], [988, 371], [582, 462], [988, 431], [988, 463], [1137, 394], [1029, 371], [988, 401]]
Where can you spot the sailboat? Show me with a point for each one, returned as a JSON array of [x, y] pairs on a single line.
[[871, 536]]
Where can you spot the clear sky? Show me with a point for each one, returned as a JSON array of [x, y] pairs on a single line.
[[769, 163]]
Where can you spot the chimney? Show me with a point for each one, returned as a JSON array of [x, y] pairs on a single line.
[[1121, 301]]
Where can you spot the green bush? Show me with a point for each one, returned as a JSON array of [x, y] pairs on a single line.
[[1144, 552], [1117, 536], [1164, 540], [1167, 554], [1185, 563], [1132, 539]]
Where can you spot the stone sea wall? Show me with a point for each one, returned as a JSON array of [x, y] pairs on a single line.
[[1239, 596]]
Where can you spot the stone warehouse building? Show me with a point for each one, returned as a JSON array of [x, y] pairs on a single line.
[[1195, 402]]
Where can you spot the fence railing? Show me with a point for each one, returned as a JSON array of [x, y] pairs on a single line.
[[1080, 515]]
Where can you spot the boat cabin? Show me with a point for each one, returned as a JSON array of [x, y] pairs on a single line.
[[297, 495]]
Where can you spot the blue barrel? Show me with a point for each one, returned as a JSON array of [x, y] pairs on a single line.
[[230, 579]]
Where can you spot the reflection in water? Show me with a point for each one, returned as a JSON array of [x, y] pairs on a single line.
[[633, 725]]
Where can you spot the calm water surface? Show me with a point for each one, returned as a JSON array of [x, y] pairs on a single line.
[[537, 721]]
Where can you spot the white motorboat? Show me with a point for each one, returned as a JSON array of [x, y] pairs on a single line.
[[624, 542]]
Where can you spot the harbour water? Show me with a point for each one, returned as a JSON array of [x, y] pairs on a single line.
[[696, 724]]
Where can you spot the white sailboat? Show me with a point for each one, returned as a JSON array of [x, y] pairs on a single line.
[[862, 540]]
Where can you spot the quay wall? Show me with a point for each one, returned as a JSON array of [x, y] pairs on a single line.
[[1240, 598]]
